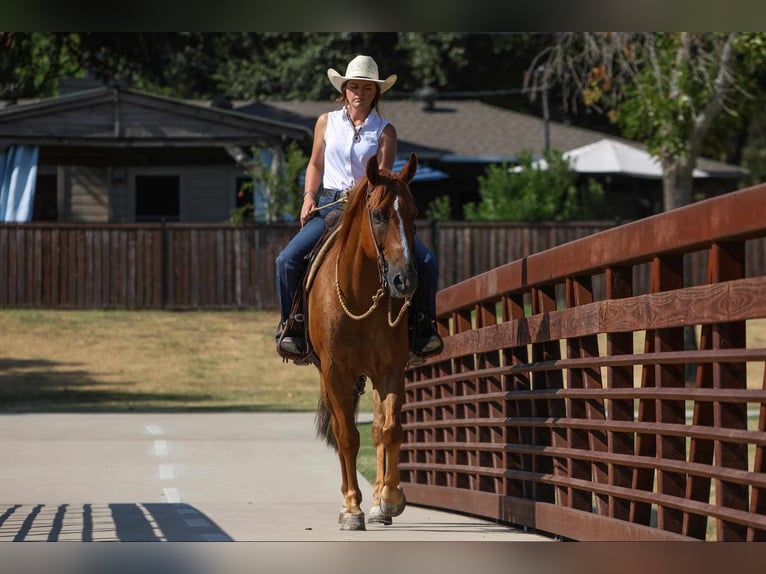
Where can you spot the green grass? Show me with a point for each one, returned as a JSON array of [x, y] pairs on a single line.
[[366, 461], [123, 361], [85, 361]]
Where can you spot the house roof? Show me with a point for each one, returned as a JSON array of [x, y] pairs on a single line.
[[121, 117], [463, 130], [448, 131]]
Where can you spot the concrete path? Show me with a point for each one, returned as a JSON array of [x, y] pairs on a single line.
[[190, 477]]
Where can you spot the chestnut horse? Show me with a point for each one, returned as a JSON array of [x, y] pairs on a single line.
[[357, 324]]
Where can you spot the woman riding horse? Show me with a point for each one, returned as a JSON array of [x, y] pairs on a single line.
[[361, 292], [344, 140]]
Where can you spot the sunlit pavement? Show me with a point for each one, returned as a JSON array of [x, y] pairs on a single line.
[[214, 477]]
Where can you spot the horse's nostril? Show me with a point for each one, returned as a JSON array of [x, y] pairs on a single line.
[[404, 282]]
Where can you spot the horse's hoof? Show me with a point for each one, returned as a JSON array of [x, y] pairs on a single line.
[[352, 522], [395, 509], [377, 517]]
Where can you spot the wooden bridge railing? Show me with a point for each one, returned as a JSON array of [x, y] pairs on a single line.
[[601, 418]]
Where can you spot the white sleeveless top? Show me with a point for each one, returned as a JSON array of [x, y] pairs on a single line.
[[345, 160]]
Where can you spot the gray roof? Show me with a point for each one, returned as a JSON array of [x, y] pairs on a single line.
[[115, 116], [461, 130], [450, 131]]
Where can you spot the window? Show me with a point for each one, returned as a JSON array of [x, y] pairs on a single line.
[[46, 199], [158, 197]]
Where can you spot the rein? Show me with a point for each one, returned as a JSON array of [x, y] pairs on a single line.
[[343, 199], [383, 282]]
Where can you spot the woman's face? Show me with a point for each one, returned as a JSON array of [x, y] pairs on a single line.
[[361, 93]]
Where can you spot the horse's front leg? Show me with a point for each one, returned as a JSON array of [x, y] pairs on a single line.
[[380, 459], [388, 497]]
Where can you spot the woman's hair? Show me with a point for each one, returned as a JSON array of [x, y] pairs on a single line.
[[341, 99]]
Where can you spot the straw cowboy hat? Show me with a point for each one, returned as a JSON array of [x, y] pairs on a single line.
[[360, 68]]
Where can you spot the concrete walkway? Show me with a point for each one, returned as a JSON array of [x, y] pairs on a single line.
[[190, 477]]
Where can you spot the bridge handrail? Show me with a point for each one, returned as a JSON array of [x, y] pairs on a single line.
[[568, 402]]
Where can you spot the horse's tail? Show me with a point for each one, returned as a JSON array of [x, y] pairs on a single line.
[[324, 424], [324, 421]]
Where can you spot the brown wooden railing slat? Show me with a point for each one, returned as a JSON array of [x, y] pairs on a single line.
[[613, 416]]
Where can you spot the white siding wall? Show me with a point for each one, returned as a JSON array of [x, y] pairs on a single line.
[[208, 194], [88, 201]]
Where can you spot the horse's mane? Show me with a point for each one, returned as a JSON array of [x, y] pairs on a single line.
[[357, 201], [353, 209]]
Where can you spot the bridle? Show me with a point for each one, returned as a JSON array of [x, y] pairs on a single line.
[[382, 277]]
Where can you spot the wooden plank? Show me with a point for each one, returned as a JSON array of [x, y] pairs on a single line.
[[735, 215]]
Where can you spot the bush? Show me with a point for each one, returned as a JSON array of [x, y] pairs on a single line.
[[532, 193], [275, 175], [440, 209]]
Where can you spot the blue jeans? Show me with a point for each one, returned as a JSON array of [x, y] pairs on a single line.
[[291, 262]]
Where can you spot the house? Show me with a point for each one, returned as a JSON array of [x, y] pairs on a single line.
[[463, 137], [112, 154]]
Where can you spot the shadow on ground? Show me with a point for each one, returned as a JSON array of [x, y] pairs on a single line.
[[124, 522], [42, 386]]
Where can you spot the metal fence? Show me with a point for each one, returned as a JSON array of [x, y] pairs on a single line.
[[592, 416]]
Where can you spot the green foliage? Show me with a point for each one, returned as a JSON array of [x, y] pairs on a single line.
[[32, 62], [440, 209], [257, 65], [243, 214], [662, 117], [754, 152], [432, 56], [277, 179], [534, 194]]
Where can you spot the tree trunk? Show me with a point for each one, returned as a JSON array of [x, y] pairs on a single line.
[[677, 183]]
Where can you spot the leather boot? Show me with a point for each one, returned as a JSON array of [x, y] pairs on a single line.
[[424, 339], [292, 343]]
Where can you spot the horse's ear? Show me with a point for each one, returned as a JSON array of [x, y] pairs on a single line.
[[372, 168], [408, 171]]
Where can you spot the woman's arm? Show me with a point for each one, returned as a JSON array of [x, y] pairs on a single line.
[[387, 147], [314, 170]]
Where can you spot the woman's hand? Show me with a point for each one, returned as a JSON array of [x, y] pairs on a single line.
[[309, 203]]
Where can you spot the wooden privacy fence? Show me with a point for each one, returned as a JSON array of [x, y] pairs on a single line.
[[219, 266], [135, 266], [212, 266], [591, 418]]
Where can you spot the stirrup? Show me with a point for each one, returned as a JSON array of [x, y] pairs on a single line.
[[433, 345], [414, 361], [289, 344]]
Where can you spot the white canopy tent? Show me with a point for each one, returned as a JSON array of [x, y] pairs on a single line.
[[611, 156]]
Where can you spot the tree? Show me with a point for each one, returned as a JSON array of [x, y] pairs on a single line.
[[31, 63], [530, 193], [274, 174], [665, 89]]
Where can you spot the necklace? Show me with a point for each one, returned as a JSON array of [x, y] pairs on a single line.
[[357, 137]]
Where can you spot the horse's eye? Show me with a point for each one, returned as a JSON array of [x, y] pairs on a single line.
[[377, 216]]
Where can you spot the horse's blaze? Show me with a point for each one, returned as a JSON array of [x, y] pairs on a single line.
[[402, 275]]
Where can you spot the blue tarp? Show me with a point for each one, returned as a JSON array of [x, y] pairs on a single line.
[[18, 175], [424, 172]]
